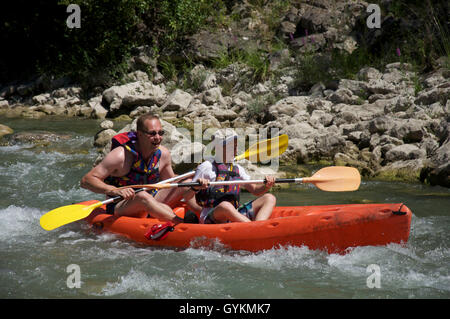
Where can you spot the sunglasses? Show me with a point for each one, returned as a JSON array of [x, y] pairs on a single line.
[[153, 133]]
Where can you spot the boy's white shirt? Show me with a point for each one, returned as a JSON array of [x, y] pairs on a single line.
[[205, 170]]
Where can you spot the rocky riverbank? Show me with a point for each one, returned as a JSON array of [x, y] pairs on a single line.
[[391, 122], [377, 123]]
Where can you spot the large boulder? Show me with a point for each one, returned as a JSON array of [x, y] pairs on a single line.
[[437, 168], [177, 100], [133, 94], [405, 152]]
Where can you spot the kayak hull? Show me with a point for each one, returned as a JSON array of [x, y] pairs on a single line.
[[333, 228]]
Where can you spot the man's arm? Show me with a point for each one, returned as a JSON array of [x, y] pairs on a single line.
[[94, 180]]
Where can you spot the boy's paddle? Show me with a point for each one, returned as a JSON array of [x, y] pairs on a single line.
[[71, 213], [330, 179], [265, 150]]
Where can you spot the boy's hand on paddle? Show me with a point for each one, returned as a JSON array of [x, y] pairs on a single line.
[[204, 183], [269, 182]]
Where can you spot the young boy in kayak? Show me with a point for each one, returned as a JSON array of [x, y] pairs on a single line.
[[140, 159], [221, 203]]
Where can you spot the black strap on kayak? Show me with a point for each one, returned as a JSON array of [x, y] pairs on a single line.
[[399, 211]]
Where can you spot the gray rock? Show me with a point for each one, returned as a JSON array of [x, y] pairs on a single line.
[[133, 94], [410, 130], [107, 124], [223, 115], [320, 117], [4, 104], [177, 100], [369, 73], [5, 130], [380, 124], [405, 152], [187, 153], [103, 137], [41, 98], [437, 168], [98, 111], [289, 106], [344, 95], [433, 95], [379, 86], [317, 90], [37, 137], [213, 95], [358, 88]]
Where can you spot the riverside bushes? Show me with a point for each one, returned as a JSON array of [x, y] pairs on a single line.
[[36, 39]]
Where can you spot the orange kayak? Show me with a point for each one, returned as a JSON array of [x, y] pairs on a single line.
[[333, 228]]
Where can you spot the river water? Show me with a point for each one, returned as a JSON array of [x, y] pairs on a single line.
[[35, 263]]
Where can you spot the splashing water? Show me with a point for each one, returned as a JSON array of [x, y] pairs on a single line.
[[33, 262]]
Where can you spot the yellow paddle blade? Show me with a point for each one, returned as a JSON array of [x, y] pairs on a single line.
[[336, 179], [265, 150], [66, 214]]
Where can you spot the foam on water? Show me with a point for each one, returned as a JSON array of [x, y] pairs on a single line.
[[33, 261], [19, 223], [139, 282], [115, 267]]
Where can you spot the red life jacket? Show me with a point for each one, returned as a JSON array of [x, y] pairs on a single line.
[[214, 195], [140, 172]]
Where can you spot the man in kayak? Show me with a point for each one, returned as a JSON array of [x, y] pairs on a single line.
[[141, 159], [221, 203]]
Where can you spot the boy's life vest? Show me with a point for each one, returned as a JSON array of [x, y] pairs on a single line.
[[140, 172], [214, 195]]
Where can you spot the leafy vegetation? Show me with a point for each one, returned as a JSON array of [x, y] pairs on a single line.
[[39, 40], [36, 39]]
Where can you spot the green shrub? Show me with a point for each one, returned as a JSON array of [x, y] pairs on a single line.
[[109, 30]]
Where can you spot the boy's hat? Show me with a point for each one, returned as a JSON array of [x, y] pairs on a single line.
[[224, 137]]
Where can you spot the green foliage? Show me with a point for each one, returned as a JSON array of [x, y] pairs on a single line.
[[333, 65], [183, 17], [109, 30], [257, 62], [37, 40], [426, 36], [166, 23], [257, 107], [168, 69]]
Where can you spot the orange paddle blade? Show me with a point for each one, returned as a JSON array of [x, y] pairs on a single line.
[[336, 179]]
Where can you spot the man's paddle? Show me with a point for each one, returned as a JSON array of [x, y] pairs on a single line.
[[330, 179], [67, 214], [71, 213]]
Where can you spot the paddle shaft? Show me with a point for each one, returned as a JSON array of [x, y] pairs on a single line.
[[119, 198], [331, 179], [252, 181]]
